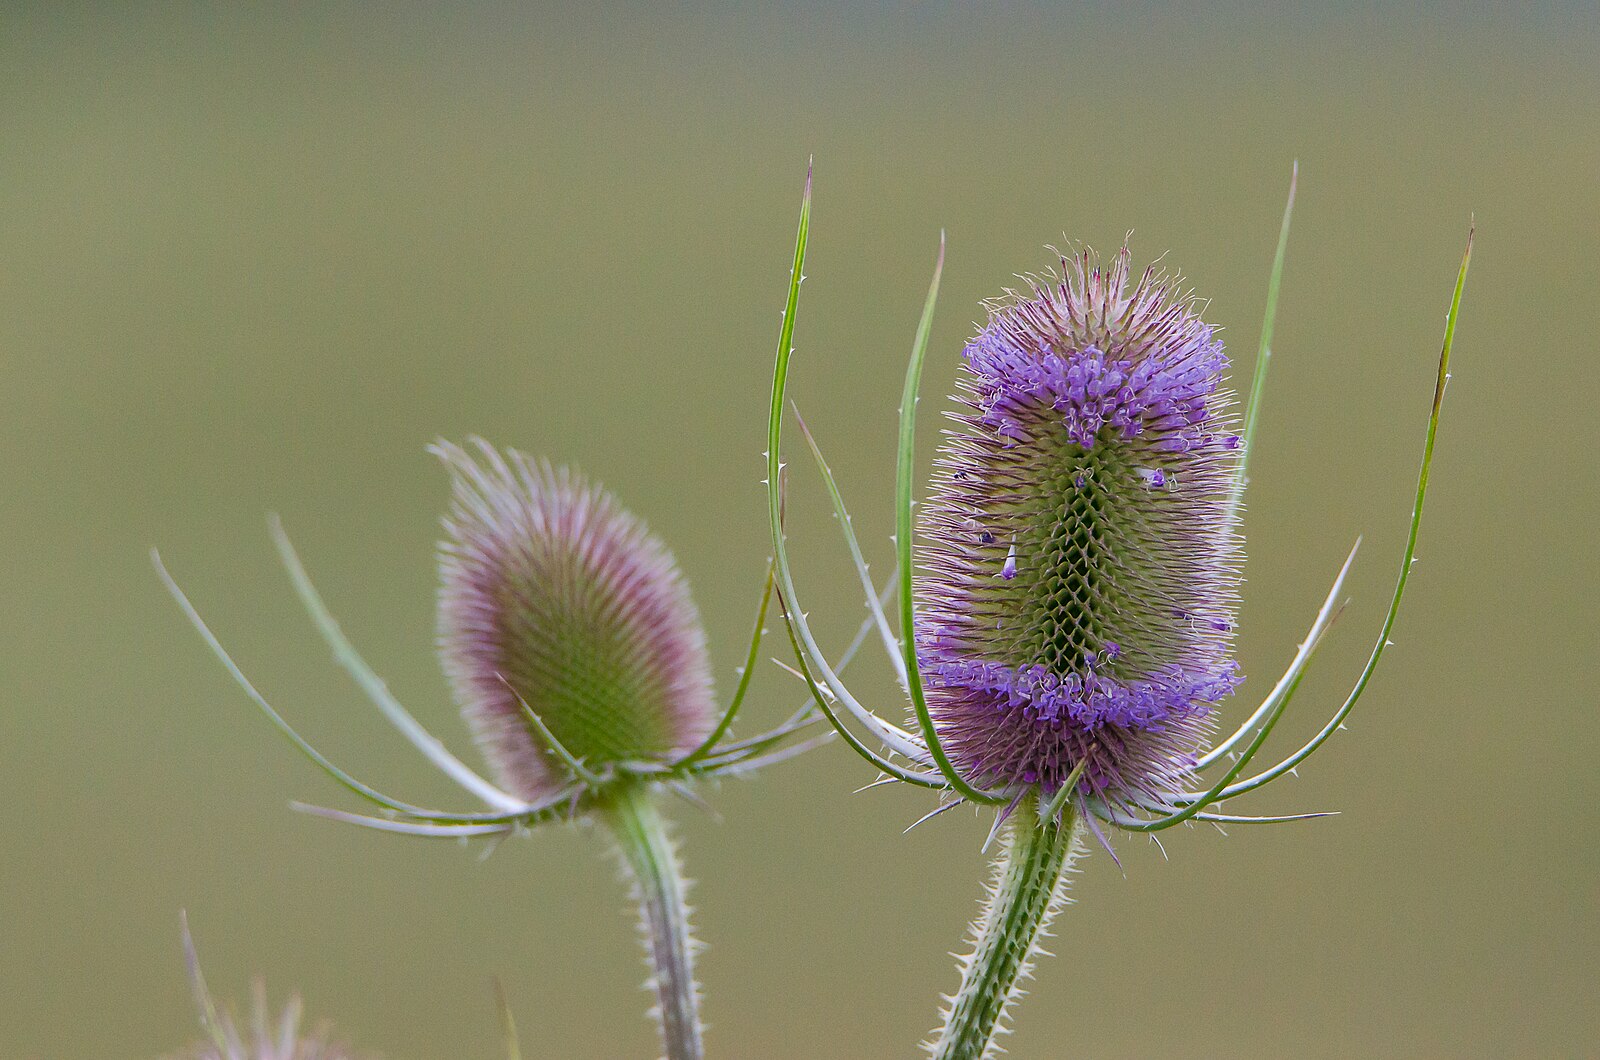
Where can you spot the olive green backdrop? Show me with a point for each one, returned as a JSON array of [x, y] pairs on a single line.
[[255, 262]]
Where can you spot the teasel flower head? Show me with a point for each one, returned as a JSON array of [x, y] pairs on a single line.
[[555, 599], [1078, 563], [580, 665], [1068, 597], [574, 649]]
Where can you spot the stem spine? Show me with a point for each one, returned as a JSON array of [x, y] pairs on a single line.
[[651, 860], [1029, 886]]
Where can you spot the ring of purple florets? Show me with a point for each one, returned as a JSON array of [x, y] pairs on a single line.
[[1092, 391], [1090, 699]]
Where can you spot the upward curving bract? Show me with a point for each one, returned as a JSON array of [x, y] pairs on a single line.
[[1078, 570]]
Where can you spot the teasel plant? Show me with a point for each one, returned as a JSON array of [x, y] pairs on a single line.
[[580, 664], [1066, 600], [268, 1037]]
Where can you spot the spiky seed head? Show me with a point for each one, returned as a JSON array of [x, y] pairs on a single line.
[[552, 592], [267, 1037], [1078, 570]]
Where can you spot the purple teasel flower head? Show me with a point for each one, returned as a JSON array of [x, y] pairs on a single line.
[[1070, 587], [1078, 567]]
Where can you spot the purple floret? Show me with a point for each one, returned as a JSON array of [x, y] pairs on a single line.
[[1087, 699], [1094, 392]]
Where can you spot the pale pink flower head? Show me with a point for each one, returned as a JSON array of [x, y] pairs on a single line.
[[557, 603]]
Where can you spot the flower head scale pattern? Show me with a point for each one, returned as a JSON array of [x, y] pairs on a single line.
[[1078, 571], [1073, 590]]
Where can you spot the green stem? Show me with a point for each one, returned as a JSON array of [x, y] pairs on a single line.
[[1029, 883], [659, 888]]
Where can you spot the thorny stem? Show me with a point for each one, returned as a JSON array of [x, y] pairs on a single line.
[[659, 888], [1029, 887]]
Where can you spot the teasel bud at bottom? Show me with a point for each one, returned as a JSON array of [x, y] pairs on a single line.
[[265, 1036]]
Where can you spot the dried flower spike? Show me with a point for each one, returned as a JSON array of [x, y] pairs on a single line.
[[1078, 565], [580, 664], [265, 1037]]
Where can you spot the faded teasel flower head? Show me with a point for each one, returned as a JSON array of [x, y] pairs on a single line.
[[573, 646], [1078, 566], [555, 599], [265, 1035]]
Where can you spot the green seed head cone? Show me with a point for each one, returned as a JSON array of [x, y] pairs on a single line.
[[555, 596]]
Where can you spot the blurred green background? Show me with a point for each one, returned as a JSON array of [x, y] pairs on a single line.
[[255, 261]]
